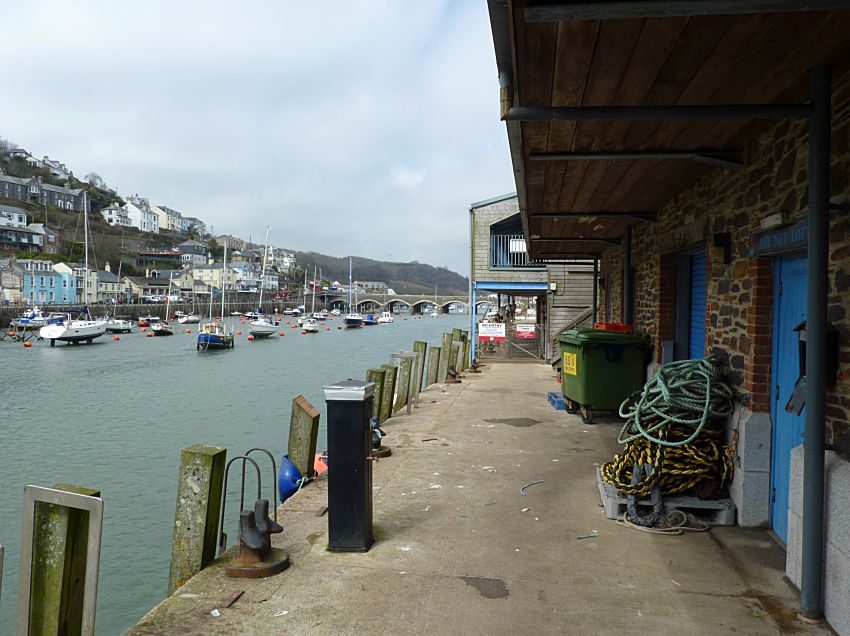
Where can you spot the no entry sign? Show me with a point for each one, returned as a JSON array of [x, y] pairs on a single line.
[[491, 331], [525, 331]]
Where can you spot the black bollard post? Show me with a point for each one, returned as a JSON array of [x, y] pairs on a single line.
[[350, 480]]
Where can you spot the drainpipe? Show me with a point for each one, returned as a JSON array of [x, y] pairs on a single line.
[[628, 293], [472, 313], [595, 290], [820, 124]]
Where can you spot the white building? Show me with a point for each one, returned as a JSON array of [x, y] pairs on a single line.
[[116, 215], [140, 214], [10, 216], [169, 220]]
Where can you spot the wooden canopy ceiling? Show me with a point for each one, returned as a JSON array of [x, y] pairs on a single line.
[[584, 174]]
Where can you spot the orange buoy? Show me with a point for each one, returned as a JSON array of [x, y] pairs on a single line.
[[281, 334], [327, 328], [303, 331], [238, 333], [11, 334], [250, 338], [149, 335], [27, 344], [187, 331], [144, 329], [320, 463], [116, 338]]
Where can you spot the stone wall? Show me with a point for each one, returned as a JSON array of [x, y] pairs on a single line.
[[740, 288]]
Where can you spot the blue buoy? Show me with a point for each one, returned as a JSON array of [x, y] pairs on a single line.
[[288, 480]]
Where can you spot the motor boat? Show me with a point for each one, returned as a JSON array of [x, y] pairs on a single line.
[[386, 317]]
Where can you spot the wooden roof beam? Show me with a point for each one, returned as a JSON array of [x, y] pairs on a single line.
[[725, 158], [639, 9], [695, 112], [582, 239], [639, 216]]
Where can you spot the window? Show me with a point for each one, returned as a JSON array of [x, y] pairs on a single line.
[[41, 281], [52, 284], [51, 294], [64, 282]]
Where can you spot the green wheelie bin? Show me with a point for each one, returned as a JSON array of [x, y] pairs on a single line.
[[600, 369]]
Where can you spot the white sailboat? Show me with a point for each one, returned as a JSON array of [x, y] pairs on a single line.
[[263, 326], [311, 325], [162, 328], [352, 319], [83, 328], [193, 317]]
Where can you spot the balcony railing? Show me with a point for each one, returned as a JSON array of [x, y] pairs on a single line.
[[508, 250]]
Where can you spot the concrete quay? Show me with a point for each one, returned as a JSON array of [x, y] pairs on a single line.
[[459, 550]]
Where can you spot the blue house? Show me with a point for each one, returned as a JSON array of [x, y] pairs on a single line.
[[45, 286]]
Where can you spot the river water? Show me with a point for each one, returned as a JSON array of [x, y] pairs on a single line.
[[115, 416]]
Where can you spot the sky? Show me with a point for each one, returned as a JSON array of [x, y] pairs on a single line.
[[361, 128]]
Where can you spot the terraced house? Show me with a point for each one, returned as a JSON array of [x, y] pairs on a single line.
[[34, 190], [701, 151]]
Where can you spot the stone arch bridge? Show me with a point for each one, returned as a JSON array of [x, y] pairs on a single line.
[[415, 303]]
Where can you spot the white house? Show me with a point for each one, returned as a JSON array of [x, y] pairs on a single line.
[[140, 214], [116, 215]]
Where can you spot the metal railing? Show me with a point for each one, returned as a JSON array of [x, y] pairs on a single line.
[[584, 319], [509, 250]]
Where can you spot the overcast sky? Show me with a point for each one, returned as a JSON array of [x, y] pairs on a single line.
[[362, 127]]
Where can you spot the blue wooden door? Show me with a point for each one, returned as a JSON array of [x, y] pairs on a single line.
[[789, 310], [696, 332]]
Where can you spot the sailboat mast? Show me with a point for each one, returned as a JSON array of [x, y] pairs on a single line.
[[86, 259], [223, 280], [263, 273], [349, 284], [313, 304]]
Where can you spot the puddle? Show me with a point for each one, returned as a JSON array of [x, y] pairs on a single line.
[[488, 588], [516, 421]]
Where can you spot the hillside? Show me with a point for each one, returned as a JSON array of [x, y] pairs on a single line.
[[404, 278]]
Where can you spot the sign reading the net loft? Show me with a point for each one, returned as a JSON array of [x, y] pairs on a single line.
[[491, 331], [525, 331], [780, 240]]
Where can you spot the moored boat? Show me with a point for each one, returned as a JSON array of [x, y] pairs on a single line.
[[386, 317], [119, 325], [369, 320], [353, 320]]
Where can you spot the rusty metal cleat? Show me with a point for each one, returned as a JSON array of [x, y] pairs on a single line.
[[452, 376], [256, 558]]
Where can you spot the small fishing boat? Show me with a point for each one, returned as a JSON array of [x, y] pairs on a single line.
[[214, 334], [336, 312], [310, 326], [352, 321], [147, 321], [288, 311], [189, 319], [119, 325], [251, 315], [386, 317], [35, 319], [369, 320], [163, 328]]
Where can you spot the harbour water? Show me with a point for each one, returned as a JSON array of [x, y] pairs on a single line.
[[115, 415]]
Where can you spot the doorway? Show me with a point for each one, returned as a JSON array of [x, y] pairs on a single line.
[[789, 310]]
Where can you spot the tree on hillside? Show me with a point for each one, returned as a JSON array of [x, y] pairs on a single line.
[[94, 179], [216, 250]]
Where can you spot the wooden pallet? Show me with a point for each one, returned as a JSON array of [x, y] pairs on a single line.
[[716, 512]]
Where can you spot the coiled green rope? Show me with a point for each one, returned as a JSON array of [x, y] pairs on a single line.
[[688, 394]]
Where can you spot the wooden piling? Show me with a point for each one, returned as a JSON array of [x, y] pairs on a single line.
[[454, 356], [405, 366], [199, 490], [303, 433], [60, 540], [420, 347], [388, 392], [445, 353], [433, 366], [467, 347], [377, 376]]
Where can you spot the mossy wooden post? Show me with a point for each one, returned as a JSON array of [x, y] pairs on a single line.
[[59, 544], [377, 376], [464, 338], [303, 433], [405, 366], [421, 347], [388, 392], [455, 353], [445, 353], [199, 489], [433, 366]]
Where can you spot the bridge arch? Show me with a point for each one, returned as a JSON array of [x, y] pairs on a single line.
[[368, 303], [444, 307]]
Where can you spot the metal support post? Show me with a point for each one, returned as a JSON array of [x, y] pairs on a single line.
[[628, 292], [811, 587], [595, 311]]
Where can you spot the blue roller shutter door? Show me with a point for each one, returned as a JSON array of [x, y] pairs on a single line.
[[696, 336]]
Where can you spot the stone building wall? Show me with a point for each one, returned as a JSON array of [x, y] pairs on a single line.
[[740, 289]]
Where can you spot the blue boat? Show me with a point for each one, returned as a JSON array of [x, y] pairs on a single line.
[[370, 320], [214, 335]]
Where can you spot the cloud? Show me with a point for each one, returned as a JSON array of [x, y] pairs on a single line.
[[363, 127]]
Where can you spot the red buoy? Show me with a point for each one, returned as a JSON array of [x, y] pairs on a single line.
[[149, 335], [116, 338], [27, 344], [250, 338]]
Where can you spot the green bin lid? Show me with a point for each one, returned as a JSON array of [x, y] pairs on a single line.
[[599, 336]]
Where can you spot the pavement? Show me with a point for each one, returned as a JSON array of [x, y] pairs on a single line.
[[460, 550]]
